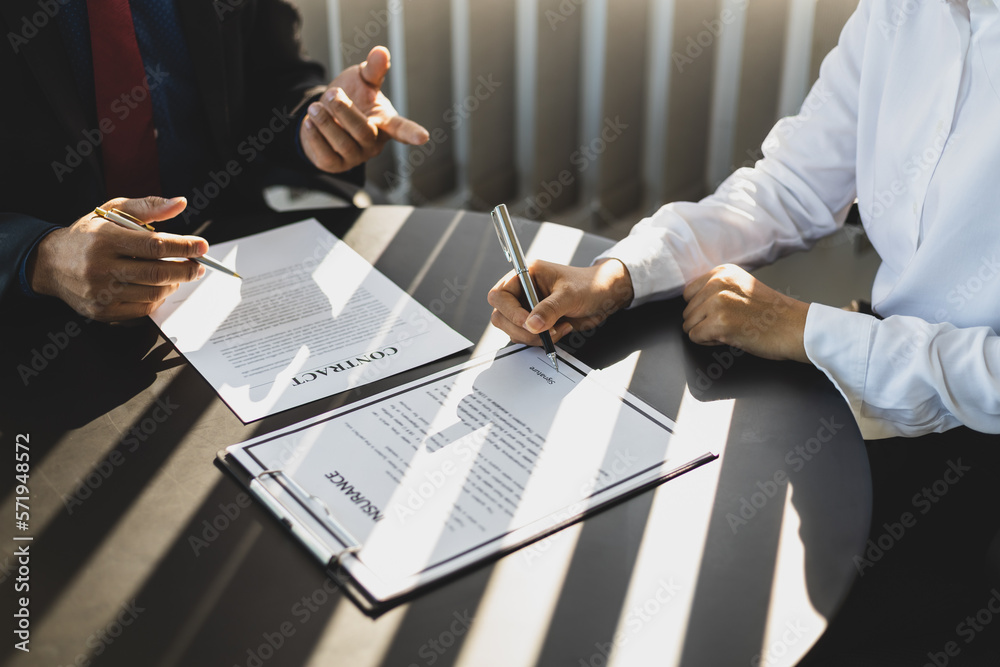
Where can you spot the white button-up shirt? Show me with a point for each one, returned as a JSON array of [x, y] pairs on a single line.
[[905, 117]]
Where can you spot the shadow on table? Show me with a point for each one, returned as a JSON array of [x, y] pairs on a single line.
[[232, 589], [762, 466], [734, 586], [105, 493], [63, 371]]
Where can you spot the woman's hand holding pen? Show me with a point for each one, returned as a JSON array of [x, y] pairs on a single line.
[[577, 298], [109, 273]]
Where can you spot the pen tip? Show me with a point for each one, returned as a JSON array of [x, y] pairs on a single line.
[[237, 275]]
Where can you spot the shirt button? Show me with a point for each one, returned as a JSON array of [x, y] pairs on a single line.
[[915, 208], [940, 126]]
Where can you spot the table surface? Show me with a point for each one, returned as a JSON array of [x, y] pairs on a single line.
[[145, 550]]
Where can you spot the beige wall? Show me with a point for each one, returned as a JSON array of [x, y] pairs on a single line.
[[585, 111]]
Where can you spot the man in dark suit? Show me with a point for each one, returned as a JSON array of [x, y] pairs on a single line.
[[119, 104]]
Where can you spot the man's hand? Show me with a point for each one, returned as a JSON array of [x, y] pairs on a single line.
[[353, 120], [109, 273], [728, 306], [577, 298]]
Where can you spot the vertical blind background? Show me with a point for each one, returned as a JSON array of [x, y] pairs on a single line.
[[587, 112]]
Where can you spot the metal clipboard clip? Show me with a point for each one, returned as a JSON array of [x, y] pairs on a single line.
[[313, 543]]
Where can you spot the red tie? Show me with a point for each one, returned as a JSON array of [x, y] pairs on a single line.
[[131, 168]]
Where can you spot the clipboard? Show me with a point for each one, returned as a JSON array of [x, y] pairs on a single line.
[[324, 531]]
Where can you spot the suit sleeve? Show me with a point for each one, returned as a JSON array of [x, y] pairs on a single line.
[[281, 78], [19, 234]]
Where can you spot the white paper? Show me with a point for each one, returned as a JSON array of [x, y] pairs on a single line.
[[443, 471], [310, 318]]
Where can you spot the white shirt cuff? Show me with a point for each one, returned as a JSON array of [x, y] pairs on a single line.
[[838, 342], [655, 275]]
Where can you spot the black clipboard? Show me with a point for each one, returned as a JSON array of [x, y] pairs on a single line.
[[317, 529]]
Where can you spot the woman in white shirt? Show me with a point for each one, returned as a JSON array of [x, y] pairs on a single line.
[[905, 118]]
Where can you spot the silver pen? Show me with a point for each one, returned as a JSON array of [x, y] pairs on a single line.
[[512, 250], [129, 222]]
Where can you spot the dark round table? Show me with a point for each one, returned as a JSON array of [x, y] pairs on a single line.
[[145, 553]]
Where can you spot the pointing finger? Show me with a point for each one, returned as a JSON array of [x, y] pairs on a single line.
[[405, 130]]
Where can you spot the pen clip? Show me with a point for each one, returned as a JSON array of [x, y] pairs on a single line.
[[134, 219], [131, 218], [496, 214]]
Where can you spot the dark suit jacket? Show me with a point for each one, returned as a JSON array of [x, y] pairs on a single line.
[[248, 62]]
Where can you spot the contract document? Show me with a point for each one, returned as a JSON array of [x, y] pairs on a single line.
[[310, 318], [404, 488]]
